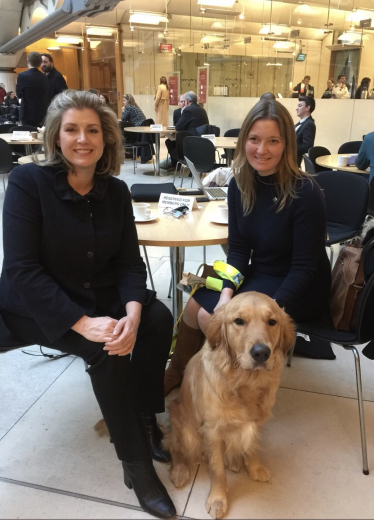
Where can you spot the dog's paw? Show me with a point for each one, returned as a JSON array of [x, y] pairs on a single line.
[[179, 474], [259, 473], [101, 428], [216, 506]]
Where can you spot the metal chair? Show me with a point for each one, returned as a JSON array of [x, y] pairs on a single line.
[[346, 195], [201, 152], [350, 147], [314, 153], [233, 132], [179, 138], [309, 166], [6, 161], [364, 332]]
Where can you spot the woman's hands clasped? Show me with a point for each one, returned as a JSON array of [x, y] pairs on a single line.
[[124, 336]]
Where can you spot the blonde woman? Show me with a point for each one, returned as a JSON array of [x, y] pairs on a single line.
[[161, 104], [277, 227], [131, 112], [73, 280]]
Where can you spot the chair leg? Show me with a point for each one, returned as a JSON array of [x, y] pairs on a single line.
[[148, 267], [290, 354], [331, 255], [153, 162], [134, 152], [360, 409], [170, 288], [176, 171], [204, 254]]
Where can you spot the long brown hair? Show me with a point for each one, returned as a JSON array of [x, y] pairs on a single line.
[[164, 81], [110, 162], [288, 171], [130, 100]]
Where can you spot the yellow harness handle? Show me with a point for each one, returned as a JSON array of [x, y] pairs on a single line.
[[226, 272]]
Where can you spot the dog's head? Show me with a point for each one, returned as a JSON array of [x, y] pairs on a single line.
[[253, 330]]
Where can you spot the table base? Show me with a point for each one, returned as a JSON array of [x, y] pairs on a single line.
[[163, 173], [151, 173]]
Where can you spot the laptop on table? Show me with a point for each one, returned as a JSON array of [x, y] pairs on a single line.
[[211, 193]]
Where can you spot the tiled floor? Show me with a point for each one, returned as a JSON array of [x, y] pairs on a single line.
[[52, 465]]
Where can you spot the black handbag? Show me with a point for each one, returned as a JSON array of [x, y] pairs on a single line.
[[151, 192]]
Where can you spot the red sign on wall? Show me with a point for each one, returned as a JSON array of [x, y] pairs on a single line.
[[203, 82], [166, 47], [173, 90]]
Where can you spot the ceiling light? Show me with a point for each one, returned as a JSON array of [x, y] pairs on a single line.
[[94, 45], [147, 18], [272, 29], [299, 22], [241, 16], [53, 48], [99, 31], [132, 28], [351, 38], [303, 9], [216, 25], [281, 45], [69, 39], [356, 16], [217, 3]]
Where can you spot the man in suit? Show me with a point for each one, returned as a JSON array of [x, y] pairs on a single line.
[[193, 115], [305, 129], [178, 112], [304, 88], [32, 88], [56, 81]]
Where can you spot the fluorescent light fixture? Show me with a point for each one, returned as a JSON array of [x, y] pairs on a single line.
[[281, 45], [130, 43], [99, 31], [303, 9], [69, 39], [272, 29], [357, 16], [217, 3], [351, 38], [147, 18], [94, 45], [274, 64], [53, 48], [216, 25]]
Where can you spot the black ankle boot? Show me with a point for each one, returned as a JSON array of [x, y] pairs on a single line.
[[151, 493], [155, 436]]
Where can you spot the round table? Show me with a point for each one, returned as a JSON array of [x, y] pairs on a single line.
[[331, 161], [157, 133], [9, 139], [28, 158], [193, 229]]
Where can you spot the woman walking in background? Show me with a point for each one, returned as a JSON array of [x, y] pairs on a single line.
[[161, 104]]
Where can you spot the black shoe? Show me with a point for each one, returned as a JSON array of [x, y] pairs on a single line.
[[155, 436], [151, 493]]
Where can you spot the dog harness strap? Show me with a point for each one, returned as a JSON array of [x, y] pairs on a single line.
[[226, 272]]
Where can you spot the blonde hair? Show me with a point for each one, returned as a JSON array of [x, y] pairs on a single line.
[[130, 99], [288, 171], [110, 162]]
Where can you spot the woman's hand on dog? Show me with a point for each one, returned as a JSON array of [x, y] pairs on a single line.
[[125, 331], [226, 296]]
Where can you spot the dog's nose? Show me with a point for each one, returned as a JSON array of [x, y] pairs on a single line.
[[260, 352]]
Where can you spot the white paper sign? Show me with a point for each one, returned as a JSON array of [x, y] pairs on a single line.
[[174, 201], [211, 137], [22, 136], [156, 127]]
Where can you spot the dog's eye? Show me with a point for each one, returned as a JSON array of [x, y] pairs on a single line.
[[272, 322], [239, 321]]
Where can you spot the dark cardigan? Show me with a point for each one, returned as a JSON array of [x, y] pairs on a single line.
[[67, 254]]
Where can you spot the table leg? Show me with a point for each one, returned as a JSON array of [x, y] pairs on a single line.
[[177, 266], [157, 156], [28, 149]]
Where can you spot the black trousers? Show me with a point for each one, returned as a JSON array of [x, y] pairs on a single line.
[[123, 387], [172, 149]]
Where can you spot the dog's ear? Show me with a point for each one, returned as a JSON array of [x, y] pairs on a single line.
[[215, 330], [287, 336]]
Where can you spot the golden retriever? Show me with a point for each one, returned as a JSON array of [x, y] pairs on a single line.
[[227, 393]]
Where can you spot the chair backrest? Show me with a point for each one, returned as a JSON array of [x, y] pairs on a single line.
[[200, 152], [6, 158], [309, 166], [314, 153], [130, 137], [148, 122], [4, 128], [208, 129], [179, 138], [370, 210], [23, 128], [346, 196], [233, 132], [350, 147]]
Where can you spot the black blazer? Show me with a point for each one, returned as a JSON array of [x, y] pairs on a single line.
[[67, 254], [305, 138], [56, 84], [308, 88], [192, 116], [32, 87], [177, 115]]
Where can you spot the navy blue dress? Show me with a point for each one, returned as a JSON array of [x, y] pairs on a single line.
[[281, 254]]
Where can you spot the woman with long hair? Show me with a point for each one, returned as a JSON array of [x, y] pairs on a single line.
[[73, 280], [277, 226], [131, 112], [161, 103]]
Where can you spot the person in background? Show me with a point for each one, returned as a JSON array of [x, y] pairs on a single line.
[[328, 92], [56, 81], [104, 99], [305, 129], [161, 103], [365, 157], [340, 90], [178, 112], [2, 92], [131, 112], [94, 91], [11, 99], [32, 89], [276, 234], [304, 88], [267, 96], [365, 84], [193, 115], [73, 280]]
